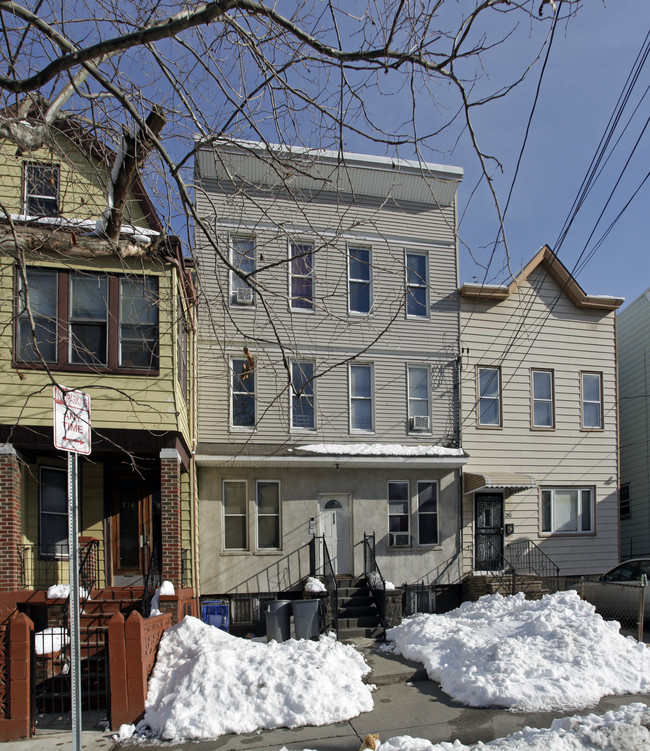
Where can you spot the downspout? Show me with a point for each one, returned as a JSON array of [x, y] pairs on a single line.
[[459, 411]]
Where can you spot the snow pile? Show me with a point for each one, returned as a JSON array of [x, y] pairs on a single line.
[[379, 449], [166, 589], [62, 592], [553, 653], [314, 585], [207, 683], [625, 729], [50, 640], [374, 579]]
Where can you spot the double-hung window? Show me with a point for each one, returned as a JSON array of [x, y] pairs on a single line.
[[427, 512], [624, 505], [419, 404], [361, 398], [268, 514], [242, 394], [301, 280], [53, 513], [489, 397], [591, 386], [303, 413], [235, 514], [417, 285], [41, 188], [360, 279], [567, 510], [398, 514], [242, 259], [543, 407], [100, 321]]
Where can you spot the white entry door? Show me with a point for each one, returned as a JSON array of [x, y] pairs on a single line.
[[334, 522]]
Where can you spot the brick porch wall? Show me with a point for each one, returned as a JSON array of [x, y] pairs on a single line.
[[170, 501], [10, 519]]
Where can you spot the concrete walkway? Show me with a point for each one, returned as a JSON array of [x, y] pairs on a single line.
[[405, 704]]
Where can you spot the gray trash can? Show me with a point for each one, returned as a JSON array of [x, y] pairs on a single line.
[[278, 617], [305, 618]]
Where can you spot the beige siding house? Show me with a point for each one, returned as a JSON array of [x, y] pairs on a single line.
[[327, 352], [539, 421], [633, 324]]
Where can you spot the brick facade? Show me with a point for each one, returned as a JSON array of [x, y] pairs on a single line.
[[10, 519], [170, 502]]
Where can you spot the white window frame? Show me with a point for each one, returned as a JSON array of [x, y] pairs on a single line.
[[420, 285], [536, 399], [416, 399], [354, 398], [480, 397], [584, 401], [585, 511], [233, 393], [355, 280], [436, 513], [56, 192], [224, 483], [293, 396], [264, 516], [293, 300], [391, 542], [236, 282]]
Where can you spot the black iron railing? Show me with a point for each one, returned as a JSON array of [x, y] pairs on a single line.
[[527, 558], [42, 566], [375, 580], [152, 580], [418, 598], [326, 571]]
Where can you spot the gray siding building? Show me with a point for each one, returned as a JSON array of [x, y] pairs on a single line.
[[634, 386], [327, 355], [540, 421]]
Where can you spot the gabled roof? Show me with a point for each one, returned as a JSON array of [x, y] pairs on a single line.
[[546, 258]]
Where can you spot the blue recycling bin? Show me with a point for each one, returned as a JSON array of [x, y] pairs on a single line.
[[216, 613]]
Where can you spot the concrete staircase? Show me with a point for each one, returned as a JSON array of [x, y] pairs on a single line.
[[358, 616]]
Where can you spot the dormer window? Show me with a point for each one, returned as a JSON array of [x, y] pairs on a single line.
[[41, 189]]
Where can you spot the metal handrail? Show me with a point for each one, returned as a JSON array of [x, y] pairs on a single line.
[[535, 559], [331, 585], [152, 580], [375, 580]]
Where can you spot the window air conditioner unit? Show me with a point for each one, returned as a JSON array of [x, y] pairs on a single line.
[[401, 540], [419, 424], [244, 296]]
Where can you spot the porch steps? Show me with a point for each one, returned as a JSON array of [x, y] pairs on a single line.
[[358, 617]]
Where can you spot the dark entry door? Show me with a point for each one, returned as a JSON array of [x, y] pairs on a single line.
[[133, 528], [488, 540]]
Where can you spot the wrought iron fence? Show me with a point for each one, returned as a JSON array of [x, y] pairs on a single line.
[[42, 566], [51, 669], [418, 598], [525, 557]]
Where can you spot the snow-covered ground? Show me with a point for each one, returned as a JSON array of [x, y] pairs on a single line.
[[532, 655], [555, 653], [626, 729]]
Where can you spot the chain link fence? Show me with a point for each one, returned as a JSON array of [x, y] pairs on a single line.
[[625, 602]]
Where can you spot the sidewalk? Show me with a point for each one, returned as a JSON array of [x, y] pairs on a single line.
[[405, 704]]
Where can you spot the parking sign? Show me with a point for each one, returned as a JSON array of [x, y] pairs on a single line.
[[71, 420]]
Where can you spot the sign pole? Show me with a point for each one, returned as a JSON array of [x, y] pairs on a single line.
[[75, 652], [72, 434]]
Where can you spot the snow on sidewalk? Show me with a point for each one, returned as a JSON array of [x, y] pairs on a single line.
[[207, 683], [528, 655]]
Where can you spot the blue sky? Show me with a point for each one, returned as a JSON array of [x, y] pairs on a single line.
[[591, 57]]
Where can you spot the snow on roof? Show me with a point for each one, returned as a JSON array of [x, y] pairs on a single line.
[[140, 234], [379, 449]]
